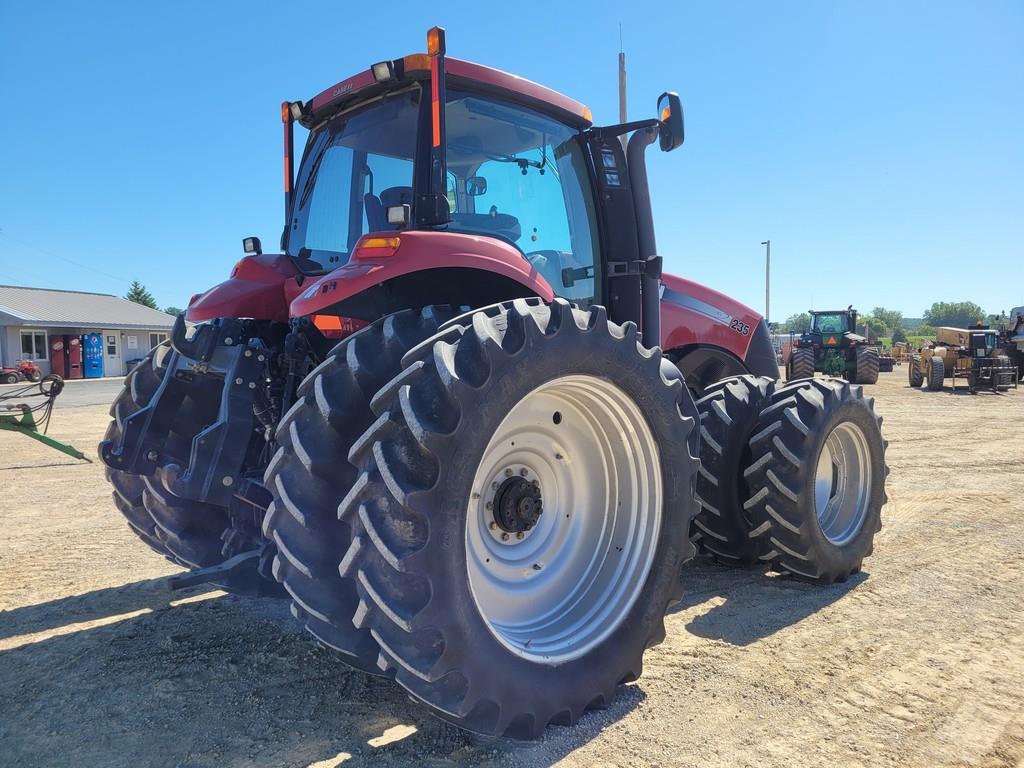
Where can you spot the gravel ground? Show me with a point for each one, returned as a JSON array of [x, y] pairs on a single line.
[[919, 661]]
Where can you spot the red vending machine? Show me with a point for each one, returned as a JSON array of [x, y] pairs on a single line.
[[73, 347], [58, 356]]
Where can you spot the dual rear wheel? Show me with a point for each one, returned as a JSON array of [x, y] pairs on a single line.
[[791, 476], [515, 531]]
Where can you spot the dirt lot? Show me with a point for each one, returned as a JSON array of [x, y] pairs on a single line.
[[917, 662]]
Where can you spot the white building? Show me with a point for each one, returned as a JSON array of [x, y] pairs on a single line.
[[30, 318]]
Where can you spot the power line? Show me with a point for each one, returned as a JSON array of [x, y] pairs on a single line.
[[91, 269]]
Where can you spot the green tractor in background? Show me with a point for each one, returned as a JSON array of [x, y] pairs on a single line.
[[832, 346]]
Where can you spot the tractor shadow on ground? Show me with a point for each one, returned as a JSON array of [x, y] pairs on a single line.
[[218, 681], [756, 604]]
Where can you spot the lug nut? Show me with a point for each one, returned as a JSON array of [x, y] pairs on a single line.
[[493, 526], [489, 505], [238, 380], [504, 537], [520, 535], [248, 353], [228, 480], [494, 486], [508, 473], [524, 472], [252, 385]]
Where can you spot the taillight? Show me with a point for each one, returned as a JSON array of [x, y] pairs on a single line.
[[370, 247]]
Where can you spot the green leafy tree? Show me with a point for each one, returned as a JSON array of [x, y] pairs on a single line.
[[173, 310], [795, 323], [924, 330], [899, 334], [892, 318], [996, 321], [140, 295], [875, 327], [959, 314]]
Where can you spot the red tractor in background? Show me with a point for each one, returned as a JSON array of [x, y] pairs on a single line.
[[454, 419]]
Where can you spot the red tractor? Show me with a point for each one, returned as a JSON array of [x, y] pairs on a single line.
[[454, 419], [23, 370]]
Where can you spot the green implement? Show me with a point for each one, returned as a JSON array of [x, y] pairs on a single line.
[[21, 417]]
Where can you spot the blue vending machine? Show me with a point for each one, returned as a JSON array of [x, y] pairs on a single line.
[[93, 355]]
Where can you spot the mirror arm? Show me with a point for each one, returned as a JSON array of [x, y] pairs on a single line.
[[612, 131]]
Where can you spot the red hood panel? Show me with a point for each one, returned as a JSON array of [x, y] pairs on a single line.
[[260, 287], [692, 313]]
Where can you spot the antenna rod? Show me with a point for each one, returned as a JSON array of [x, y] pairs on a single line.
[[622, 79]]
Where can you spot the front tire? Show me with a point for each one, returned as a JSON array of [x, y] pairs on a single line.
[[817, 479], [867, 366], [728, 414], [801, 364], [502, 634], [914, 374], [936, 373]]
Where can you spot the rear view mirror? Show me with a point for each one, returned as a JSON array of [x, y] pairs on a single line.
[[476, 186], [670, 121]]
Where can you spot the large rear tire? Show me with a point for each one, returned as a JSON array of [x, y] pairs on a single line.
[[914, 374], [728, 414], [817, 479], [189, 533], [499, 633], [936, 373], [801, 364], [310, 474], [867, 366]]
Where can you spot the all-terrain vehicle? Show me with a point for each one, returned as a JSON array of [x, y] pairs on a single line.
[[454, 419], [832, 346], [972, 355], [23, 370]]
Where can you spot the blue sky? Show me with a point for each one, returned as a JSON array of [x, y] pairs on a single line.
[[877, 144]]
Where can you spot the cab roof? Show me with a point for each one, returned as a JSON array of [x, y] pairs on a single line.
[[459, 72]]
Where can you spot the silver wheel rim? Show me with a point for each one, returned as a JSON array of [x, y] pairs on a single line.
[[567, 583], [842, 483]]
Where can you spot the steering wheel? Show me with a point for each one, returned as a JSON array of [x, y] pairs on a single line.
[[545, 258]]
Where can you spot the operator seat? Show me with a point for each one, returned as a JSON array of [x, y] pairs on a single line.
[[376, 208]]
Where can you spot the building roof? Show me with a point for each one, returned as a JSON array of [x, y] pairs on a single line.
[[47, 308]]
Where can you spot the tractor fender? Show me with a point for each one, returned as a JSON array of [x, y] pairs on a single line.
[[694, 316], [260, 287], [420, 252]]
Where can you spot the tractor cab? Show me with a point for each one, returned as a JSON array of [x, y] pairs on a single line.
[[427, 146], [983, 342]]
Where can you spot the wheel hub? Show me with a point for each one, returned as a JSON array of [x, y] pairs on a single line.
[[517, 504], [563, 518]]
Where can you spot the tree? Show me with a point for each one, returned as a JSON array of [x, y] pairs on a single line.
[[796, 323], [899, 334], [959, 314], [875, 327], [140, 295], [892, 318], [996, 321], [173, 310]]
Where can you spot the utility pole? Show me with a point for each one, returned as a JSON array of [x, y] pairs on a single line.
[[622, 79], [767, 277]]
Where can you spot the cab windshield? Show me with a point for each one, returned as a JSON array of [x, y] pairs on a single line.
[[520, 176], [830, 323], [354, 165], [514, 174]]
